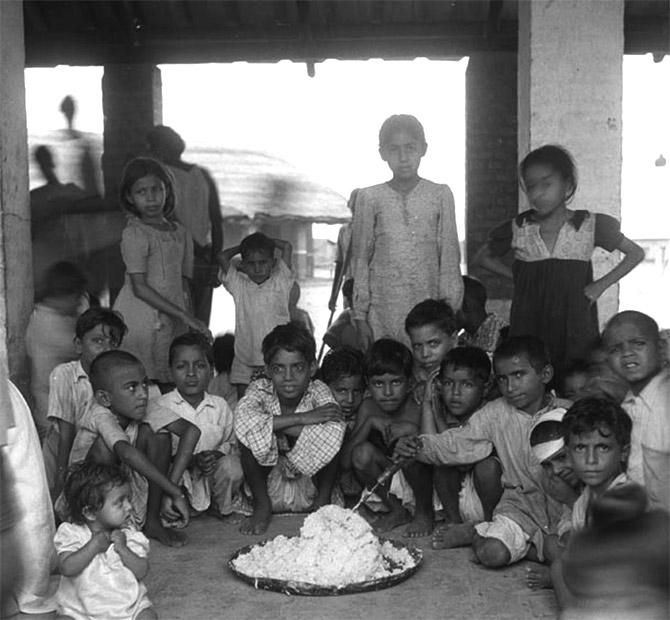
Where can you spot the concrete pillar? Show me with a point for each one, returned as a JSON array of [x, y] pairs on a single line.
[[491, 159], [132, 103], [570, 91], [16, 279]]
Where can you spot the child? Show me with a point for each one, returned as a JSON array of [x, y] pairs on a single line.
[[70, 392], [342, 371], [554, 291], [401, 229], [261, 286], [597, 434], [480, 329], [50, 332], [102, 558], [522, 370], [158, 254], [575, 380], [633, 347], [120, 428], [343, 271], [431, 327], [382, 419], [342, 333], [223, 350], [466, 493], [290, 430], [214, 475]]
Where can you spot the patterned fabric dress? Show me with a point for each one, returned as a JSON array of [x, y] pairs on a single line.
[[405, 250], [549, 300]]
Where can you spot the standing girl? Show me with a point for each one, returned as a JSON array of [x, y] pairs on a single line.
[[102, 558], [158, 254], [405, 244], [554, 291]]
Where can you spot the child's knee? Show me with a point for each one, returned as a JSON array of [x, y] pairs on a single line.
[[362, 456], [491, 552], [229, 467], [487, 471]]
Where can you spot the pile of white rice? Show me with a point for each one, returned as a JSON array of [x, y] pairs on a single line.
[[336, 547]]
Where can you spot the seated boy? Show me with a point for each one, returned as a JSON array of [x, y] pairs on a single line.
[[290, 430], [213, 478], [70, 392], [342, 333], [389, 413], [119, 428], [342, 371], [522, 370], [480, 329], [261, 286], [633, 347], [467, 492]]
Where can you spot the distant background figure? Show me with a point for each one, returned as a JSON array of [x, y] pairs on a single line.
[[343, 264], [197, 208], [83, 170]]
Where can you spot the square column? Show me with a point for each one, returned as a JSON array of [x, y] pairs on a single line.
[[570, 90], [132, 103], [16, 277]]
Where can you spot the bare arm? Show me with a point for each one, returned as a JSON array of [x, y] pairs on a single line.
[[149, 295], [214, 209], [225, 256], [188, 435], [130, 455], [633, 256], [286, 250], [337, 282], [71, 564], [486, 260], [292, 423], [66, 433], [139, 566]]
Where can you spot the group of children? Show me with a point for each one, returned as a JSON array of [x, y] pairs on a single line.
[[440, 389]]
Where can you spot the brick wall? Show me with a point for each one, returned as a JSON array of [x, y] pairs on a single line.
[[491, 155]]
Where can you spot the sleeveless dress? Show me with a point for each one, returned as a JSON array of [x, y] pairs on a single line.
[[164, 256], [549, 300]]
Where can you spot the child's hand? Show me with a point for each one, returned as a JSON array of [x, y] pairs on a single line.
[[429, 388], [118, 538], [176, 509], [593, 291], [395, 430], [198, 326], [407, 447], [206, 460], [101, 541], [330, 412]]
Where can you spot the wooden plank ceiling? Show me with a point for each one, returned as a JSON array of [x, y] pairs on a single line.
[[184, 31]]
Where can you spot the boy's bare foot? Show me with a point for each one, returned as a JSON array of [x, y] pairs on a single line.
[[452, 535], [258, 522], [391, 520], [420, 526], [538, 577], [165, 535]]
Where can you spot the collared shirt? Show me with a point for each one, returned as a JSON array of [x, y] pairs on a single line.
[[316, 445], [259, 308], [70, 393], [100, 421], [212, 416], [649, 460]]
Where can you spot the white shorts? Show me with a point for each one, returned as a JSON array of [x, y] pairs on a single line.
[[240, 374], [509, 533], [469, 504]]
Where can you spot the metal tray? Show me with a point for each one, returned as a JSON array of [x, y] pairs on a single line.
[[310, 589]]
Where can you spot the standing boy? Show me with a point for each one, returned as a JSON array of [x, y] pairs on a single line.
[[261, 286], [119, 429], [70, 392], [522, 371], [290, 430], [387, 415], [631, 340], [213, 478]]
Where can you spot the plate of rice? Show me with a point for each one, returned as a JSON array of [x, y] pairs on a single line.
[[336, 553]]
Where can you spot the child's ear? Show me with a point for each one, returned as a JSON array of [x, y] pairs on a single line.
[[625, 453], [547, 374], [77, 346], [103, 398], [424, 148], [313, 367], [88, 513]]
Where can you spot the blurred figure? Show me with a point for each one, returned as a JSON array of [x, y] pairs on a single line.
[[220, 385], [343, 266], [616, 568], [197, 208], [299, 314], [342, 332], [83, 169], [51, 329]]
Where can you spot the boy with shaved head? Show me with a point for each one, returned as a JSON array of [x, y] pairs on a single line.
[[634, 352]]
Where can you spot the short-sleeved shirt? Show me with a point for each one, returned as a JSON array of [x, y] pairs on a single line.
[[70, 393], [259, 308], [106, 589], [100, 421]]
